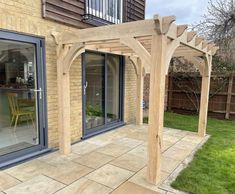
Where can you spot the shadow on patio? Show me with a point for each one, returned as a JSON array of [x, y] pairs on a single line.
[[113, 162]]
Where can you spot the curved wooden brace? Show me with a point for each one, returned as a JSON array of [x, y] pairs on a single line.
[[163, 23], [171, 47], [76, 50], [139, 49], [208, 65], [210, 46], [57, 36], [133, 60], [214, 50], [198, 62]]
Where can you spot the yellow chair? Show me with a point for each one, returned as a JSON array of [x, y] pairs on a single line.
[[16, 112]]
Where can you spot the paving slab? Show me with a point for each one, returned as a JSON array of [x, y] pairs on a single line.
[[84, 147], [129, 142], [110, 176], [114, 150], [28, 170], [93, 159], [37, 185], [140, 178], [130, 162], [7, 181], [176, 153], [129, 187], [85, 186], [67, 173]]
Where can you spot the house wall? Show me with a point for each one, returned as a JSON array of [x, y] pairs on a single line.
[[130, 91], [25, 16]]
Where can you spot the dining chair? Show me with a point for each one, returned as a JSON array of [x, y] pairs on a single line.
[[17, 112]]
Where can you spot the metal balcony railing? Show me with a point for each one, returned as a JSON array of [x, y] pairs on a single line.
[[103, 11]]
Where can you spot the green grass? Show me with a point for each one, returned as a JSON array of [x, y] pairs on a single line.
[[212, 170]]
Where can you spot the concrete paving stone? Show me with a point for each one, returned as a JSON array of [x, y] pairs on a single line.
[[93, 159], [85, 186], [176, 153], [37, 185], [114, 150], [193, 138], [28, 169], [170, 138], [7, 181], [140, 151], [130, 162], [169, 164], [140, 178], [139, 135], [166, 145], [129, 142], [132, 188], [56, 158], [186, 145], [110, 176], [84, 147], [67, 173]]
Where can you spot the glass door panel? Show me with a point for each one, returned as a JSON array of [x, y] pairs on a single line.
[[18, 99], [113, 88], [102, 92], [95, 91]]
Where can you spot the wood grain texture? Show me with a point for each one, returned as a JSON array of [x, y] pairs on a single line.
[[66, 11]]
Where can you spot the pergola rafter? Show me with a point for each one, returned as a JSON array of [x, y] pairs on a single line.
[[150, 45]]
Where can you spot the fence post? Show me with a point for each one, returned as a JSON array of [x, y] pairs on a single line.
[[170, 92], [229, 96]]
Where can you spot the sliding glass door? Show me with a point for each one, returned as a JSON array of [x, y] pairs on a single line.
[[103, 89]]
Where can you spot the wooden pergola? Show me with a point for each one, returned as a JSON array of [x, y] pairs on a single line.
[[150, 46]]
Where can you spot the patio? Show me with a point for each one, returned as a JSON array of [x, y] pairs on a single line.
[[113, 162]]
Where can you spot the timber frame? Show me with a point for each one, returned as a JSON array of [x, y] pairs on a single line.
[[150, 46]]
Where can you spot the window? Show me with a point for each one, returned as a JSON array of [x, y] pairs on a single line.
[[108, 10]]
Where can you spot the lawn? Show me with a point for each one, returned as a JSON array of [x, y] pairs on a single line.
[[212, 170]]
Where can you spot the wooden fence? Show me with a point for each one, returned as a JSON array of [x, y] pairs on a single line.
[[183, 94]]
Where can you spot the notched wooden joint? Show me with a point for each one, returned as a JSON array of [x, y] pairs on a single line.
[[163, 23]]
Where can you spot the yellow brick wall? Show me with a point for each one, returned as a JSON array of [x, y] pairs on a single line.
[[25, 16], [130, 92]]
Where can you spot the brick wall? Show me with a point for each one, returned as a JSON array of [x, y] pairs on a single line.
[[25, 16], [130, 93]]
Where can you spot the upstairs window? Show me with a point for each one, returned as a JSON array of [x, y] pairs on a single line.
[[104, 11]]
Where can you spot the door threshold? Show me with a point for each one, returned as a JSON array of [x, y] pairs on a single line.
[[22, 159], [104, 130]]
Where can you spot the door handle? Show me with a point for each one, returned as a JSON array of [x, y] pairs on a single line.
[[85, 87], [39, 91]]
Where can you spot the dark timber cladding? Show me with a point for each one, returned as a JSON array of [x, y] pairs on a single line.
[[65, 11], [133, 10]]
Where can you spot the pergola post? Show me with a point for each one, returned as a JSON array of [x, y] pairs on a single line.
[[140, 89], [156, 107], [64, 112], [63, 83], [66, 54], [205, 91]]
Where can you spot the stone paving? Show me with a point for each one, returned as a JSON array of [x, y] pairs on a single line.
[[113, 162]]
